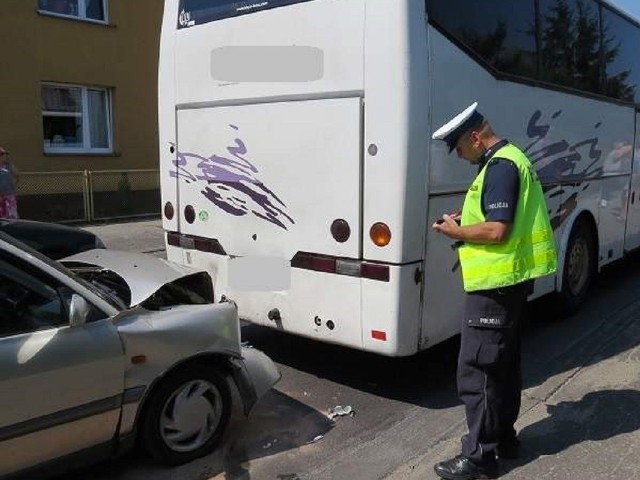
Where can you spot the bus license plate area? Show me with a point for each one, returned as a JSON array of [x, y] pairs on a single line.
[[259, 274]]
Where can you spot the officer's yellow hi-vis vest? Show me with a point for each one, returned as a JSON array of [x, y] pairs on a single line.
[[530, 250]]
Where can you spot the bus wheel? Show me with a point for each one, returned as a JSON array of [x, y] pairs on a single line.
[[579, 267]]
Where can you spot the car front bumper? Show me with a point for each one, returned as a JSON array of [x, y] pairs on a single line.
[[254, 374]]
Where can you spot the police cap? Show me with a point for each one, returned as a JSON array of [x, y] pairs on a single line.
[[451, 132]]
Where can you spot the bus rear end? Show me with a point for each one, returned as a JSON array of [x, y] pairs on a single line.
[[285, 152]]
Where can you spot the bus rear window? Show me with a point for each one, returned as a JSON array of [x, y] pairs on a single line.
[[196, 12]]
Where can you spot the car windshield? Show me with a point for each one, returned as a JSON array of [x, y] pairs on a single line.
[[103, 294]]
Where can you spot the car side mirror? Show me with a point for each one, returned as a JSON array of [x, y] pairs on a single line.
[[78, 311]]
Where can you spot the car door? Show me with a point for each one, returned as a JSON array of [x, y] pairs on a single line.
[[60, 386]]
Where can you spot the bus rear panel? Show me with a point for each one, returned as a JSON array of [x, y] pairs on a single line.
[[284, 140]]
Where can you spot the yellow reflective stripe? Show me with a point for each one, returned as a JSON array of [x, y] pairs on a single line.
[[488, 261], [541, 260], [474, 250], [541, 236]]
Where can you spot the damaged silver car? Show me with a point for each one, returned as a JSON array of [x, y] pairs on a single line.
[[105, 349]]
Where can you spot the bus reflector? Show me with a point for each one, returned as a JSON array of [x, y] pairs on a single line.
[[208, 245], [378, 335], [173, 239], [340, 266], [380, 234], [375, 271], [318, 263]]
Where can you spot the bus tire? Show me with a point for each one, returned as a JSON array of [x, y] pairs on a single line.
[[579, 267]]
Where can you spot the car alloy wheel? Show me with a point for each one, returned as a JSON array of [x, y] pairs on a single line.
[[191, 416]]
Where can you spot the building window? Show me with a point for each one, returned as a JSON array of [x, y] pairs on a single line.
[[84, 9], [76, 119]]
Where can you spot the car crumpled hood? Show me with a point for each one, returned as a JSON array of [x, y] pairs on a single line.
[[144, 273]]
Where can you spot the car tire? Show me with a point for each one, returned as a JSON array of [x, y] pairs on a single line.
[[579, 267], [186, 415]]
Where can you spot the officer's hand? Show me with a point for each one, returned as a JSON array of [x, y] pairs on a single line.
[[457, 215], [446, 225]]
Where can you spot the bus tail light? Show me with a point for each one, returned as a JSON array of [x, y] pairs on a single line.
[[340, 266], [340, 230], [169, 210], [189, 214], [190, 242], [380, 234]]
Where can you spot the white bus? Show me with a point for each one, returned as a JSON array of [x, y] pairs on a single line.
[[297, 164]]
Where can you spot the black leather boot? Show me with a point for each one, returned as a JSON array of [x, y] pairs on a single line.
[[461, 468]]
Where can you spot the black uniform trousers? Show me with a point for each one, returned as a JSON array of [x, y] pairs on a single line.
[[489, 372]]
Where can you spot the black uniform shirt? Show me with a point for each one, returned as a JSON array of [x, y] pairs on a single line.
[[501, 186]]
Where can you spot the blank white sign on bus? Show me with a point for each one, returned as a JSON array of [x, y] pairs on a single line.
[[267, 64], [259, 274]]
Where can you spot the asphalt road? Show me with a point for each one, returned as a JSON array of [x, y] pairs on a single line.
[[405, 409]]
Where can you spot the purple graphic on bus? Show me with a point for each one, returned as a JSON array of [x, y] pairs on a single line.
[[231, 183], [559, 161]]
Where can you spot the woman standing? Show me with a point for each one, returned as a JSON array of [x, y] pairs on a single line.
[[8, 180]]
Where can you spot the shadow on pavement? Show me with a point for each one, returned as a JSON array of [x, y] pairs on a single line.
[[551, 345], [597, 416], [277, 424], [603, 328], [426, 379]]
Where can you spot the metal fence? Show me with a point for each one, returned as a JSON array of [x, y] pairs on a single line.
[[87, 195]]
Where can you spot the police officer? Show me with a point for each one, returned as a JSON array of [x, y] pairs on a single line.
[[505, 241]]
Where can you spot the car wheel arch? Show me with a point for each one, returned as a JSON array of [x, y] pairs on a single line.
[[219, 361]]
